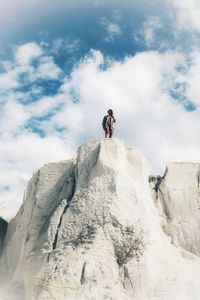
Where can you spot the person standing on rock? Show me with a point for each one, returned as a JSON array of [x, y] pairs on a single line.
[[107, 124]]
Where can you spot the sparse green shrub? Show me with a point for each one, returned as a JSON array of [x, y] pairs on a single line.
[[130, 245]]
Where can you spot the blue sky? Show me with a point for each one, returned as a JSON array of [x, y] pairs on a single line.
[[64, 64], [89, 24]]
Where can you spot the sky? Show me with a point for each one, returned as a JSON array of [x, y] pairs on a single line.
[[65, 63]]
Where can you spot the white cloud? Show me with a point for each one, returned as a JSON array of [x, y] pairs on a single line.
[[72, 117], [45, 105], [8, 81], [47, 69], [113, 29], [21, 71], [14, 116], [188, 12], [67, 45], [149, 30], [19, 157], [139, 91], [28, 52], [193, 75], [151, 26]]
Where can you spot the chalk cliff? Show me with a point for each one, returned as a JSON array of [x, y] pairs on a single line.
[[177, 195], [92, 228]]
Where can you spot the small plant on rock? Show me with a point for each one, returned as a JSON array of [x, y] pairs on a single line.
[[85, 236], [130, 245]]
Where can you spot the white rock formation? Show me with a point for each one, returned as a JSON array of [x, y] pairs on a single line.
[[89, 229], [178, 198]]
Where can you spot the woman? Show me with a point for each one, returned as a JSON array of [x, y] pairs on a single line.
[[107, 124]]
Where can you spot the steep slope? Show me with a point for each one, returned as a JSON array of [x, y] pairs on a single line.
[[89, 229], [177, 195], [3, 230]]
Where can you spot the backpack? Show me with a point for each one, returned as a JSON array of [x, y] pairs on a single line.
[[107, 121], [104, 123]]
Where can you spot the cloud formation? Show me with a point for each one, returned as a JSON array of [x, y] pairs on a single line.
[[150, 28], [113, 29], [187, 12], [26, 53], [23, 106]]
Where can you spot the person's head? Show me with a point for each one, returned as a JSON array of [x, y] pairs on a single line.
[[110, 112]]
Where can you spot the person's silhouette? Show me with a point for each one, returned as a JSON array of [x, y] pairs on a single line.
[[107, 124]]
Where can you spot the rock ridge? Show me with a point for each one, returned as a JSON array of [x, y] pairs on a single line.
[[92, 228]]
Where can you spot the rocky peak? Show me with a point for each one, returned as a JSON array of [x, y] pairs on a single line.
[[89, 229]]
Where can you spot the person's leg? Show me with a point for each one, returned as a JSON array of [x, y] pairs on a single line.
[[111, 133], [107, 134]]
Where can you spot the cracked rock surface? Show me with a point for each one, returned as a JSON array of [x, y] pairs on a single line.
[[89, 229], [177, 195]]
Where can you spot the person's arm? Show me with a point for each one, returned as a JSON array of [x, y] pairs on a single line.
[[114, 120]]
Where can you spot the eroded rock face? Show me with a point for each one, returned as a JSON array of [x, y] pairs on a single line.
[[178, 198], [89, 229], [3, 230]]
